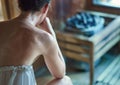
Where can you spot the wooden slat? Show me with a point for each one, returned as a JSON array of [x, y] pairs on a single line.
[[116, 77], [91, 63], [108, 78], [75, 56], [73, 38], [108, 29], [73, 47], [108, 70], [106, 48], [109, 39]]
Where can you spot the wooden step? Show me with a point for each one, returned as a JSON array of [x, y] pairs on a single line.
[[111, 75]]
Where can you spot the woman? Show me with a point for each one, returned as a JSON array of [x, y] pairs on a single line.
[[21, 42]]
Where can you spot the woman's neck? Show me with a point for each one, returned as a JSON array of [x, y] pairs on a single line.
[[28, 17]]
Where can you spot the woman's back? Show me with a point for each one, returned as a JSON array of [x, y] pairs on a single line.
[[21, 42], [17, 45]]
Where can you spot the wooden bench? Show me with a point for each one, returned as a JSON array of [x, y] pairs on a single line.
[[90, 49], [111, 76]]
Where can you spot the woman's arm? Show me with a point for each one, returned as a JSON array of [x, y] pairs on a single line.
[[53, 55], [53, 60], [46, 26]]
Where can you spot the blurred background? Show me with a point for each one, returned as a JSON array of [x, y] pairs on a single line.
[[88, 33]]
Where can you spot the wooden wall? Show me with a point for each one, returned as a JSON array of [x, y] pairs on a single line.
[[62, 9], [66, 8]]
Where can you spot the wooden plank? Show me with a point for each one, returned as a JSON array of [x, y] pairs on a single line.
[[75, 56], [91, 63], [108, 78], [106, 31], [73, 47], [108, 70], [106, 48], [115, 77], [109, 39], [73, 38]]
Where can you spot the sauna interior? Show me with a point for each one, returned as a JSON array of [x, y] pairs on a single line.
[[88, 34]]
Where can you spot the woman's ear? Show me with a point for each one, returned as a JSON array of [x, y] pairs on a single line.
[[42, 14], [45, 8]]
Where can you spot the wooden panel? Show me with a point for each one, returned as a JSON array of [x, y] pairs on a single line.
[[76, 6], [9, 7], [106, 48], [73, 47], [107, 39], [107, 30], [66, 8], [110, 76], [75, 56], [77, 39]]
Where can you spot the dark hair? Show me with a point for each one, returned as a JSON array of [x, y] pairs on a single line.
[[32, 5]]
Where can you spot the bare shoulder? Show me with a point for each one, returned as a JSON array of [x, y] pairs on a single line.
[[44, 38]]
